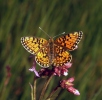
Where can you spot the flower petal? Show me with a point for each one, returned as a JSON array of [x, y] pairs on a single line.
[[34, 70], [65, 73], [68, 65], [73, 90], [71, 79]]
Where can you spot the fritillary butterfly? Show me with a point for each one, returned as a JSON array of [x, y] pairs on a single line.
[[52, 52]]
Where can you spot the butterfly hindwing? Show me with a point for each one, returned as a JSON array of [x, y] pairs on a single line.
[[61, 56], [69, 41], [42, 57]]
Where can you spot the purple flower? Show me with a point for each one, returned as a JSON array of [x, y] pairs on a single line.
[[67, 84], [8, 75], [62, 70], [45, 72], [32, 69], [74, 91], [8, 70]]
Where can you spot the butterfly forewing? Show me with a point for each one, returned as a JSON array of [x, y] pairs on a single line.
[[69, 41], [32, 44]]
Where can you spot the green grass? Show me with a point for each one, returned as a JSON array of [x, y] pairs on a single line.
[[23, 17]]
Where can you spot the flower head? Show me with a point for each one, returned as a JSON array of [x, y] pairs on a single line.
[[45, 72], [67, 84], [62, 70]]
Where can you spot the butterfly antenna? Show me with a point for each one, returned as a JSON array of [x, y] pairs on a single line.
[[59, 34], [44, 32]]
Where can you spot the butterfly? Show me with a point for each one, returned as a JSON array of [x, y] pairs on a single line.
[[52, 52]]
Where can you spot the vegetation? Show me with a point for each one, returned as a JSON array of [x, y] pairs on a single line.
[[23, 17]]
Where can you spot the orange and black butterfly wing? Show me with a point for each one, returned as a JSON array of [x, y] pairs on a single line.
[[42, 57], [33, 44], [38, 47], [69, 41], [61, 56]]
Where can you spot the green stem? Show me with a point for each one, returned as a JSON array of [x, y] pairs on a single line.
[[53, 92], [45, 87], [34, 89], [31, 91]]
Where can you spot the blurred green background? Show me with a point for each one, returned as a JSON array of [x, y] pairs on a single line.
[[23, 17]]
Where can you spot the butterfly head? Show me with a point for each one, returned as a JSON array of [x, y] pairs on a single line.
[[51, 40]]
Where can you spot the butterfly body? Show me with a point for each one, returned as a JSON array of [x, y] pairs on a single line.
[[52, 52]]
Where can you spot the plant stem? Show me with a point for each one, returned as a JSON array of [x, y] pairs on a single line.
[[53, 92], [31, 91], [45, 86], [34, 89]]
